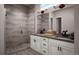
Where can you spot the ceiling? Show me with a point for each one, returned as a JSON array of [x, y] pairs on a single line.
[[29, 5], [24, 5]]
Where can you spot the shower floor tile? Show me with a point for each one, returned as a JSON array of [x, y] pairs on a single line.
[[27, 51], [23, 49]]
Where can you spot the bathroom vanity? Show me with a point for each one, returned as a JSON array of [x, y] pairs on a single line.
[[51, 45]]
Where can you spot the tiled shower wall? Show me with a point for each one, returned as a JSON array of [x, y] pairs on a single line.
[[31, 22], [19, 25], [43, 22]]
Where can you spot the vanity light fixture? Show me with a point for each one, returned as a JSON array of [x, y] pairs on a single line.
[[42, 12], [61, 5]]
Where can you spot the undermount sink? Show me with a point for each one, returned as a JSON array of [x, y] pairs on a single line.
[[48, 35]]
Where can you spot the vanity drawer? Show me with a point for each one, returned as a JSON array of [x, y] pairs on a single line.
[[45, 45], [45, 40], [44, 51]]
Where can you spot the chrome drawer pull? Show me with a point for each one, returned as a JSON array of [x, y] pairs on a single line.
[[44, 39], [34, 40], [44, 51], [44, 44], [58, 48]]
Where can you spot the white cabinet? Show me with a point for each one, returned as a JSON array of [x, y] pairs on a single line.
[[40, 44], [66, 48], [48, 46], [60, 47], [53, 47], [35, 43]]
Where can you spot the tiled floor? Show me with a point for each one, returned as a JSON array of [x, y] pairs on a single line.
[[28, 51], [23, 49]]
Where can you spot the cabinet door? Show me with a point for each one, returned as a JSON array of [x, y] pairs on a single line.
[[66, 48], [53, 51], [33, 42], [53, 47], [67, 51], [38, 44]]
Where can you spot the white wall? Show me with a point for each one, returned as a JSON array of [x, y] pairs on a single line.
[[67, 16], [2, 22], [77, 29]]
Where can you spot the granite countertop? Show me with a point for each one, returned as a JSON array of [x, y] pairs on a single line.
[[56, 38]]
